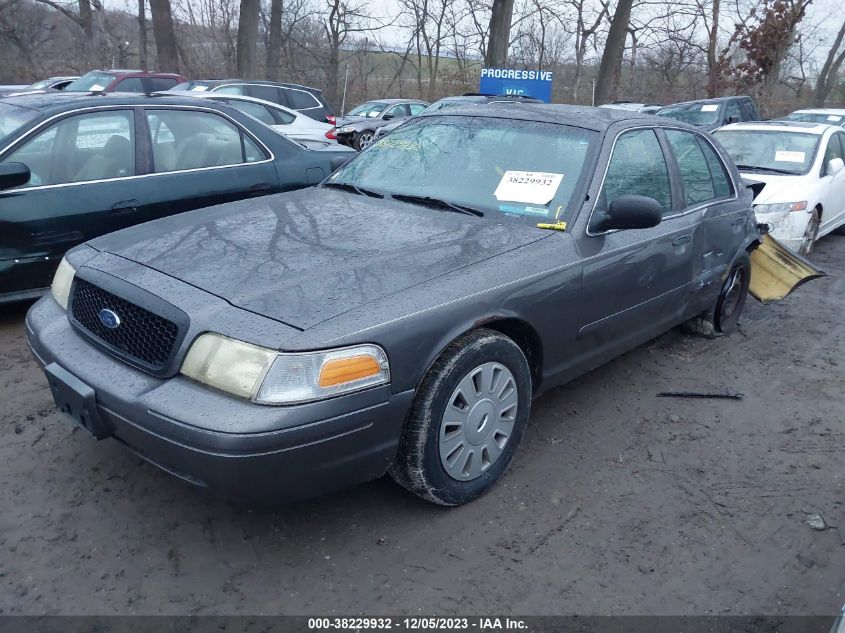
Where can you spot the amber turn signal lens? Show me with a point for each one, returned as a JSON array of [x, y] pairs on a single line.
[[342, 370]]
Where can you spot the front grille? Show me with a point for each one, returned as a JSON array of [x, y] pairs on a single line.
[[142, 335]]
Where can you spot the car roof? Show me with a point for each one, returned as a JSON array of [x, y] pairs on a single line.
[[707, 100], [216, 96], [261, 82], [837, 111], [393, 101], [598, 119], [781, 125], [54, 103]]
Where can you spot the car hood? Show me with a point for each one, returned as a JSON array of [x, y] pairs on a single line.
[[307, 256], [776, 187]]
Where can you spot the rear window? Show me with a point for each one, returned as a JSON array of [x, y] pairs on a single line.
[[13, 118], [158, 84], [301, 100], [266, 93], [90, 82]]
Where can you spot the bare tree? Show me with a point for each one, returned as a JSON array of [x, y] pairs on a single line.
[[499, 38], [142, 34], [165, 37], [247, 37], [830, 71], [607, 82], [274, 41]]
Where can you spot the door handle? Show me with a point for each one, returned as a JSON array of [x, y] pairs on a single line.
[[125, 206], [683, 239]]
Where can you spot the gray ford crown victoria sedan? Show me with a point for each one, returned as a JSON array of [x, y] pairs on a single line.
[[401, 316]]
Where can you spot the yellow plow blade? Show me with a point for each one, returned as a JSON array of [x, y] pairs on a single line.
[[776, 271]]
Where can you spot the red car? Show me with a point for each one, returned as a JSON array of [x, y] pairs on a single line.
[[124, 81]]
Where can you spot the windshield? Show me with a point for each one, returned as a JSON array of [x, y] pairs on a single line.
[[90, 82], [370, 109], [692, 113], [818, 117], [778, 152], [40, 85], [525, 171], [447, 103], [13, 118]]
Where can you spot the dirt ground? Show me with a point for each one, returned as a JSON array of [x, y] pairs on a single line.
[[618, 502]]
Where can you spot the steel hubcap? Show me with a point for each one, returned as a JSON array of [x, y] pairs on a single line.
[[478, 421], [365, 141]]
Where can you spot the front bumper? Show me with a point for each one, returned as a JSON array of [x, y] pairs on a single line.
[[787, 227], [192, 431]]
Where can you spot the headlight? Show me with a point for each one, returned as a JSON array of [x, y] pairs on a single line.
[[62, 281], [271, 377], [780, 207], [345, 130]]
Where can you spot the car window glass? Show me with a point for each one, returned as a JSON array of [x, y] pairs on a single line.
[[193, 140], [252, 153], [722, 187], [834, 150], [637, 167], [230, 90], [267, 93], [416, 108], [397, 111], [255, 110], [732, 111], [94, 146], [698, 185], [131, 84], [747, 110], [301, 99], [282, 117], [773, 151], [159, 84]]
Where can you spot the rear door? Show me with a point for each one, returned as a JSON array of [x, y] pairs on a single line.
[[635, 281], [83, 185], [199, 158]]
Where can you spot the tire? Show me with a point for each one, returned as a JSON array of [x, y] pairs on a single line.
[[723, 317], [452, 459], [811, 233], [363, 140]]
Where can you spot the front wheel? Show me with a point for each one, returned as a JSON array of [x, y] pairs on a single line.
[[363, 140], [466, 420]]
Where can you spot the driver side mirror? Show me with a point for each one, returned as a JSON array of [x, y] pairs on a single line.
[[834, 166], [387, 117], [632, 212], [13, 175]]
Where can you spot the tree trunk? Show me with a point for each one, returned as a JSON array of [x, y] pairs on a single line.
[[713, 74], [607, 82], [500, 32], [86, 20], [274, 44], [830, 71], [247, 38], [142, 34], [165, 36]]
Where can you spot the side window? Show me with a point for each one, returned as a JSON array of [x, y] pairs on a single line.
[[229, 90], [255, 110], [732, 111], [834, 150], [160, 84], [282, 117], [267, 93], [398, 111], [301, 99], [95, 146], [638, 167], [195, 140], [416, 108], [722, 187], [131, 84], [698, 185], [748, 111]]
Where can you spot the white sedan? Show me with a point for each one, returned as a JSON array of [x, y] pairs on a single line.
[[800, 167], [830, 116], [290, 123]]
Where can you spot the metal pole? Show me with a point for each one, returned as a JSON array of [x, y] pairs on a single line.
[[345, 84], [594, 94]]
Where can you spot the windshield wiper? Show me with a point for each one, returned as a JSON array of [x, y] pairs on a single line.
[[773, 170], [438, 203], [345, 186]]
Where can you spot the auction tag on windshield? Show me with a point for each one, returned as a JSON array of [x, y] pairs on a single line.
[[833, 117], [710, 107], [530, 187], [199, 88], [96, 87], [783, 156]]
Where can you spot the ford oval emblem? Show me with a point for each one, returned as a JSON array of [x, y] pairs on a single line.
[[109, 318]]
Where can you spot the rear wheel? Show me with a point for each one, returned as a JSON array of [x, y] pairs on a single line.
[[811, 233], [723, 317], [466, 421]]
